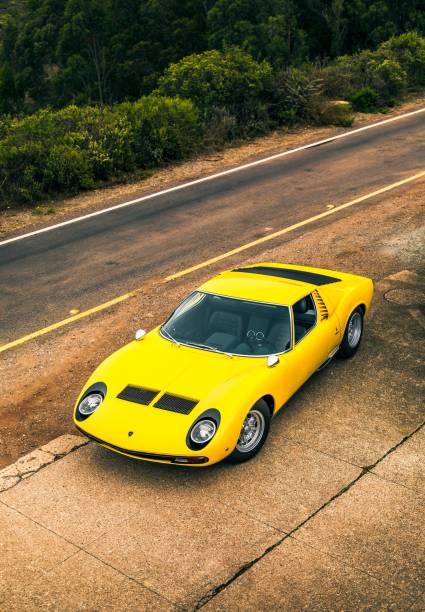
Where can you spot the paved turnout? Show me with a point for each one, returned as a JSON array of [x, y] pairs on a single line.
[[81, 265]]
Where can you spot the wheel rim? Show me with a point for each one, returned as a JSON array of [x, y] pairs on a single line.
[[354, 330], [252, 431]]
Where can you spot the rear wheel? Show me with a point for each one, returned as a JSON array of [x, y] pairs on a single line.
[[254, 432], [352, 335]]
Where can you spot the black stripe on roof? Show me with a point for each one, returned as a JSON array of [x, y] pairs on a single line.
[[299, 275]]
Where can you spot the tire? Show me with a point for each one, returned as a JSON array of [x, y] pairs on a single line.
[[352, 335], [247, 449]]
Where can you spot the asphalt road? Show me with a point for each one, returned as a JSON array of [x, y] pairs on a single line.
[[81, 265]]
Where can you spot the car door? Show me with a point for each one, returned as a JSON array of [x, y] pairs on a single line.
[[311, 349], [315, 346]]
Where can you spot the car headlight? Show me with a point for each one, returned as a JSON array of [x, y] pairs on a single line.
[[90, 404], [203, 431]]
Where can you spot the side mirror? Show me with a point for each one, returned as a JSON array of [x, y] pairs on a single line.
[[272, 360], [139, 334]]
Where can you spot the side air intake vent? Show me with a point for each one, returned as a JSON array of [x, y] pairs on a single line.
[[138, 395], [175, 403], [321, 306]]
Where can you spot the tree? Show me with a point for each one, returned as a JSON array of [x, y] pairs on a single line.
[[267, 29], [230, 81]]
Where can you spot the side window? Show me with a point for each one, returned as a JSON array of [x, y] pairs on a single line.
[[305, 317]]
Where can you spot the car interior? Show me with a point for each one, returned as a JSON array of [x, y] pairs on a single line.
[[304, 317], [239, 326]]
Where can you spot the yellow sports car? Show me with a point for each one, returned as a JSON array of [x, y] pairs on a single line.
[[205, 385]]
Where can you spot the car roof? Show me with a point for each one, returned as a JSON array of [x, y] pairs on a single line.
[[258, 285]]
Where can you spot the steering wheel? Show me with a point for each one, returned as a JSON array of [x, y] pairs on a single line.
[[256, 339]]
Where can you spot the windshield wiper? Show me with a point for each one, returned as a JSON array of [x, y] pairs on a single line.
[[169, 336], [208, 348]]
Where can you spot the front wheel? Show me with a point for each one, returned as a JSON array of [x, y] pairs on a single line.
[[254, 432], [352, 335]]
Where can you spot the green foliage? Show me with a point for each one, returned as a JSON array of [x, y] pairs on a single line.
[[365, 100], [267, 29], [396, 66], [66, 151], [161, 129], [201, 101], [408, 50], [297, 96], [61, 52], [230, 81]]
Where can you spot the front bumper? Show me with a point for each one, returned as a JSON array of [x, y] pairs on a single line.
[[176, 459]]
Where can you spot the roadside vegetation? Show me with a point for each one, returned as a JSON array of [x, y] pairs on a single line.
[[91, 91]]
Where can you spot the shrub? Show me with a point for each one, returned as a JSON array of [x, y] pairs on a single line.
[[366, 70], [161, 129], [337, 112], [66, 151], [298, 96], [67, 170], [365, 100], [388, 78], [103, 136], [231, 80], [408, 50]]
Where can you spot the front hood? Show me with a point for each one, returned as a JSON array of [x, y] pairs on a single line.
[[161, 365]]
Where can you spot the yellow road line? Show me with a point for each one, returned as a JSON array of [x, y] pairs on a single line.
[[77, 317], [208, 262], [293, 227]]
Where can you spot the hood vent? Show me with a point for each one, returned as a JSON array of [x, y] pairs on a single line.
[[138, 395], [175, 403]]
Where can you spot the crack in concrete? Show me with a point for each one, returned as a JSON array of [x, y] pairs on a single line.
[[39, 458], [246, 566]]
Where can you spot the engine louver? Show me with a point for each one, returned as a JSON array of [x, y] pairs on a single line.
[[321, 306], [175, 403], [138, 395]]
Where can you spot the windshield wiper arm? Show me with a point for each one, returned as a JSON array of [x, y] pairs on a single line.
[[169, 336], [209, 348]]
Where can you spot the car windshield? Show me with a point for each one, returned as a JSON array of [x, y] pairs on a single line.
[[228, 325]]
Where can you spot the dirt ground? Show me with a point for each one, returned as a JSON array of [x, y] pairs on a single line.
[[12, 220], [39, 381]]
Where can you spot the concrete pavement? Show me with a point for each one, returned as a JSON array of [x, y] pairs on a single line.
[[93, 533]]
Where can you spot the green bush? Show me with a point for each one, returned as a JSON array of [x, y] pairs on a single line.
[[397, 65], [365, 100], [388, 78], [66, 151], [408, 50], [297, 96], [230, 80], [161, 129], [67, 170]]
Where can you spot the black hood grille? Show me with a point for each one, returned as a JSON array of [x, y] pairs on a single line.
[[175, 403], [138, 395]]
